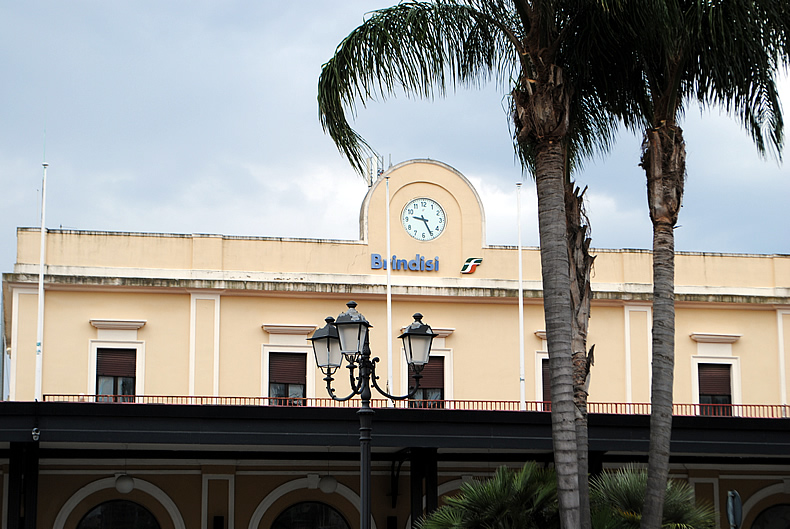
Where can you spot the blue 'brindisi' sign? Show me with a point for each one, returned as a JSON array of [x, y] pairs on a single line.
[[418, 264]]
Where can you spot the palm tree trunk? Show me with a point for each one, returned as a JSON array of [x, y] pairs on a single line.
[[581, 262], [664, 161], [549, 178]]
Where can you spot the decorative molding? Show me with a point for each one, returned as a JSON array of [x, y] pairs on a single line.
[[708, 337], [118, 325], [541, 334], [286, 328], [442, 332]]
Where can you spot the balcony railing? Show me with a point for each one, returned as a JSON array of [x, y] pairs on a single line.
[[772, 411]]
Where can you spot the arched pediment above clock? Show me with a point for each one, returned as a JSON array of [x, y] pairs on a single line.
[[424, 195]]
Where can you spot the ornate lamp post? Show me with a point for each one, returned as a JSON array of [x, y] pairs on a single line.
[[347, 337]]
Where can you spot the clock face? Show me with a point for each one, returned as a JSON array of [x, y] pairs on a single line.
[[423, 219]]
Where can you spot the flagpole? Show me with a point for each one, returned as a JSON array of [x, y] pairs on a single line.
[[389, 291], [42, 258], [522, 382]]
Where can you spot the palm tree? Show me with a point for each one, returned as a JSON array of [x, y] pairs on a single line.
[[545, 51], [512, 499], [721, 53], [581, 262], [618, 498]]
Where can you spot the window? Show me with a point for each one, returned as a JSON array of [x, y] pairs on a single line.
[[287, 378], [546, 383], [430, 394], [118, 514], [775, 517], [715, 394], [310, 514], [115, 375]]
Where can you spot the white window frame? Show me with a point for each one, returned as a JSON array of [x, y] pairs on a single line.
[[288, 338], [716, 348], [438, 349], [735, 378], [117, 334], [139, 373], [309, 391], [540, 356], [443, 352]]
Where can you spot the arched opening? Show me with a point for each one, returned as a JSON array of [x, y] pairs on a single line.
[[118, 514], [774, 517], [310, 515]]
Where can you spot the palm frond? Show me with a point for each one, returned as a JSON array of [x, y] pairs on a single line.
[[738, 71], [418, 47], [720, 53], [517, 499], [423, 47], [617, 499]]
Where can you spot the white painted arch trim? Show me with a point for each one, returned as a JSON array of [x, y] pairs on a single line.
[[297, 484], [109, 483], [760, 495]]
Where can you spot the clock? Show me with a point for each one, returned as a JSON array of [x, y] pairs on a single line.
[[423, 219]]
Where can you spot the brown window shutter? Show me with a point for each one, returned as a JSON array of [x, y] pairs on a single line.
[[714, 379], [288, 368], [433, 373], [546, 376], [116, 362]]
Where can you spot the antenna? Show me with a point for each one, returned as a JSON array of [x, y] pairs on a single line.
[[374, 166]]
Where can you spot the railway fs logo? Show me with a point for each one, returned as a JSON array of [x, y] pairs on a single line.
[[471, 265]]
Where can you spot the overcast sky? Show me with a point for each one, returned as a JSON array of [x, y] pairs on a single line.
[[201, 117]]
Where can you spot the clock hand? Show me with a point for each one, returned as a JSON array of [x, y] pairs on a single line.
[[426, 223], [427, 226]]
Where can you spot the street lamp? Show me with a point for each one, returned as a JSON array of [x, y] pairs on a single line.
[[347, 337]]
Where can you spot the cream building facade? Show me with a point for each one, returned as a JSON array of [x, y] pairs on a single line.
[[209, 322]]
